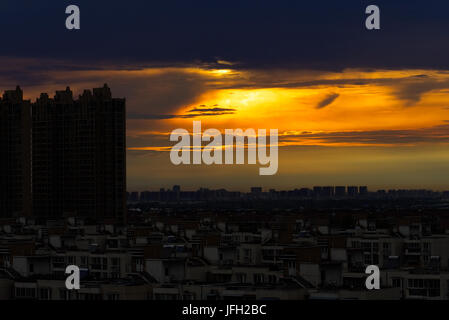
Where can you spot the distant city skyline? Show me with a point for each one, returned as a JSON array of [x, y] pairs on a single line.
[[366, 189]]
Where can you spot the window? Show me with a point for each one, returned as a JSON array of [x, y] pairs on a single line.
[[396, 282], [25, 293], [59, 262], [355, 244], [258, 278], [45, 293], [366, 246], [113, 296], [241, 277], [115, 261], [64, 294], [367, 259], [424, 287]]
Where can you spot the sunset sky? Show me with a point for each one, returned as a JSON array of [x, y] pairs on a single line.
[[353, 107]]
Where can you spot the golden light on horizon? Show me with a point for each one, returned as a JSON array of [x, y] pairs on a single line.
[[287, 100], [370, 107], [221, 71]]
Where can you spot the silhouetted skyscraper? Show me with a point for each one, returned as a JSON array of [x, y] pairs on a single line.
[[79, 163], [15, 161]]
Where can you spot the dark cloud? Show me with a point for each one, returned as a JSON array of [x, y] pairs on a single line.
[[325, 35], [408, 88], [140, 116], [412, 91], [173, 116], [213, 109], [162, 90], [431, 135], [437, 134], [201, 111], [327, 101]]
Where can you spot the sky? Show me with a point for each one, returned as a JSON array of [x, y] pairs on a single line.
[[352, 106]]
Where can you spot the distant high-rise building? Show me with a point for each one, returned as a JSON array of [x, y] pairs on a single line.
[[327, 191], [256, 190], [15, 159], [363, 190], [79, 163], [340, 191], [133, 197], [305, 192], [353, 191], [177, 192], [317, 191]]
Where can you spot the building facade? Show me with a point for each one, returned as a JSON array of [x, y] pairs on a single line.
[[15, 159], [63, 156], [79, 163]]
